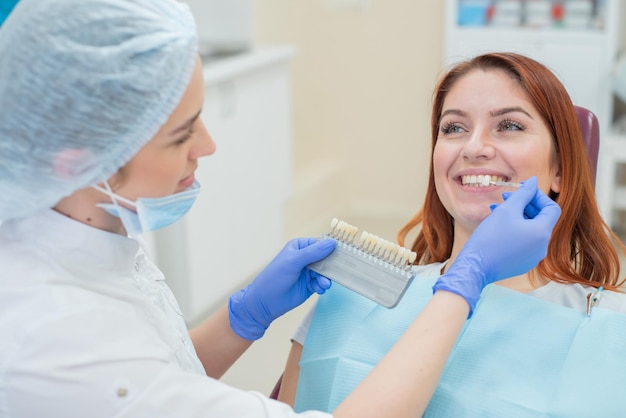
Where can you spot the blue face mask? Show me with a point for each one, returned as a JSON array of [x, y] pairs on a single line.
[[151, 213]]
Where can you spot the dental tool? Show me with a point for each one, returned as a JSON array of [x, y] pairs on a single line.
[[375, 268], [505, 183], [593, 299]]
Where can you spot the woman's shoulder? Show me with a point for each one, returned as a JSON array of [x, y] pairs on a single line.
[[428, 270], [574, 295]]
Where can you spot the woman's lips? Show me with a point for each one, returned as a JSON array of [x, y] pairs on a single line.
[[187, 181]]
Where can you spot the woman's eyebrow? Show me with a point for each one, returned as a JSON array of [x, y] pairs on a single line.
[[457, 112], [185, 126], [506, 110]]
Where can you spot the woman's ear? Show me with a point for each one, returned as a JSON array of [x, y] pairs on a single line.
[[555, 186]]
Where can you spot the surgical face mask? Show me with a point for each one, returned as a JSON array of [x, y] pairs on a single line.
[[151, 213]]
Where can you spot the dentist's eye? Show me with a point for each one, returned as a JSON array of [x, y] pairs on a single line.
[[185, 137], [511, 125], [451, 128]]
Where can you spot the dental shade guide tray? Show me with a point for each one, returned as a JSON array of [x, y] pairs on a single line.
[[377, 269]]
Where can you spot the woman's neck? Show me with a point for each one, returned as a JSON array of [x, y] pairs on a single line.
[[521, 283]]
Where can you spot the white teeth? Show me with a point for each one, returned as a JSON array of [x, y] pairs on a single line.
[[480, 180]]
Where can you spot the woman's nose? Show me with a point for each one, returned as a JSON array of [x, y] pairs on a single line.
[[204, 142], [479, 145]]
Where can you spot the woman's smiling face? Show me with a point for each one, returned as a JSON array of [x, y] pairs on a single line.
[[488, 127]]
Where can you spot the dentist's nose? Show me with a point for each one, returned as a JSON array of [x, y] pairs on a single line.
[[479, 145], [205, 144]]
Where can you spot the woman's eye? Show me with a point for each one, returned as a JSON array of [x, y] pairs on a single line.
[[185, 138], [451, 128], [510, 125]]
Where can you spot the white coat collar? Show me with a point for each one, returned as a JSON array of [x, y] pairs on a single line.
[[81, 249]]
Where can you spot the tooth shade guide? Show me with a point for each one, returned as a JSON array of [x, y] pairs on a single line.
[[505, 183], [374, 267], [371, 244], [342, 231]]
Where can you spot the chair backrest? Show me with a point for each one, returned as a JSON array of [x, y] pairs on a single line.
[[591, 136], [276, 389]]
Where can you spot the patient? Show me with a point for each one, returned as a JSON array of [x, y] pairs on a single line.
[[548, 343]]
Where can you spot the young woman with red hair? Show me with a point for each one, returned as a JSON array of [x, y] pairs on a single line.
[[551, 342], [582, 249]]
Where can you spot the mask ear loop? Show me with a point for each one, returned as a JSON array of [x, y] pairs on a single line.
[[110, 193], [143, 243], [114, 197]]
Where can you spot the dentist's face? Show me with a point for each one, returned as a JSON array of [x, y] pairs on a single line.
[[167, 163], [488, 128]]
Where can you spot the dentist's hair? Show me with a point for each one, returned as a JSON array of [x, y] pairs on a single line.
[[583, 247], [84, 85]]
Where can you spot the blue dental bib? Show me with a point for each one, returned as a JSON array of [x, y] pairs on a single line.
[[518, 356]]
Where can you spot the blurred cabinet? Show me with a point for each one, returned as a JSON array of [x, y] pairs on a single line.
[[236, 225], [615, 154], [581, 54], [223, 25]]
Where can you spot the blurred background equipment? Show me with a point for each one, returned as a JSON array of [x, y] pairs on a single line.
[[5, 8]]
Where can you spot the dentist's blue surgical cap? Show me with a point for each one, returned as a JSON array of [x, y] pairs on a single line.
[[84, 84]]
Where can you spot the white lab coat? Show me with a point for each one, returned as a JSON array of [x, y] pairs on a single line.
[[88, 328]]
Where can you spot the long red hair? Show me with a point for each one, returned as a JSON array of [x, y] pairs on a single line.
[[582, 248]]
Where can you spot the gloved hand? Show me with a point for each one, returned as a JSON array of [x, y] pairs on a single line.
[[284, 284], [512, 240]]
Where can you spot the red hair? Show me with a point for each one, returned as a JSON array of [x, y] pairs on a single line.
[[582, 247]]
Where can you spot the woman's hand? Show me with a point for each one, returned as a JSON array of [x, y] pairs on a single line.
[[512, 240]]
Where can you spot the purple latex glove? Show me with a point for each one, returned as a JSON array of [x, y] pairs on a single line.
[[283, 285], [512, 240]]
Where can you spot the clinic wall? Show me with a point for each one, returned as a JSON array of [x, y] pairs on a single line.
[[361, 85], [362, 80]]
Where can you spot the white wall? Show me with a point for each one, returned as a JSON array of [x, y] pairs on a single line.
[[362, 82]]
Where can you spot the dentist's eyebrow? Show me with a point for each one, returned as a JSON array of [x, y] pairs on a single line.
[[185, 126], [506, 110]]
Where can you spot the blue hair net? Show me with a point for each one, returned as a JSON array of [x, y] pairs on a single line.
[[84, 84]]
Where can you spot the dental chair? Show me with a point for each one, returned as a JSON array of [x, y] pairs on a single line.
[[590, 128]]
